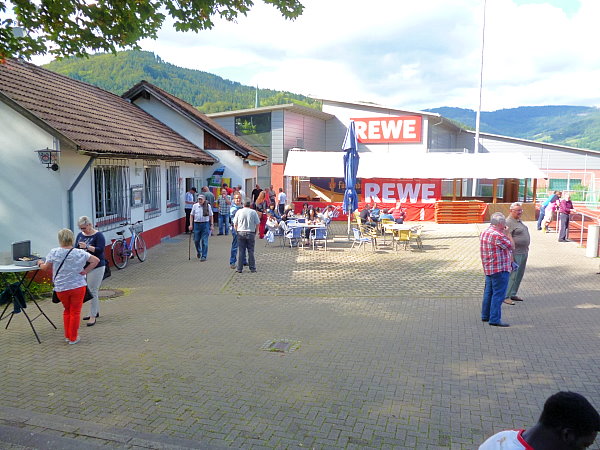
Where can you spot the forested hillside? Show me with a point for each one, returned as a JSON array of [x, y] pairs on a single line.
[[576, 126], [208, 92]]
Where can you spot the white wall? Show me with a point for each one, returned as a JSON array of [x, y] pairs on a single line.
[[235, 168], [545, 157], [31, 206]]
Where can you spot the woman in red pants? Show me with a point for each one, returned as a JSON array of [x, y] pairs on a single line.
[[68, 276]]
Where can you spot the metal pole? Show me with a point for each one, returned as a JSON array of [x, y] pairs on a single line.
[[478, 117]]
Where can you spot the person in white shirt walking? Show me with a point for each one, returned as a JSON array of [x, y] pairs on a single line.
[[203, 225], [246, 222], [281, 199]]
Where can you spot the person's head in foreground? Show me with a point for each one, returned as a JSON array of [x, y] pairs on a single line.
[[568, 422]]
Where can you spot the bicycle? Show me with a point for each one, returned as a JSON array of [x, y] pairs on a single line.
[[121, 250]]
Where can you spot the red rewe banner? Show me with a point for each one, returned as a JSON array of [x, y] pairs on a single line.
[[383, 190], [384, 130]]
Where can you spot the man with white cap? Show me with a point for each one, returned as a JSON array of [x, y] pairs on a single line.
[[202, 216]]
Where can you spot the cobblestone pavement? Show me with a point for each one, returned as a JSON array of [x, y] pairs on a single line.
[[392, 350]]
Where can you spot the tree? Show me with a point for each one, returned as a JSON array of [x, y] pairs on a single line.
[[77, 27]]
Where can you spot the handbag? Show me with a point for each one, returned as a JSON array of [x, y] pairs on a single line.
[[88, 295]]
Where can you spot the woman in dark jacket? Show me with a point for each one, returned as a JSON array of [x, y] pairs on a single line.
[[92, 241]]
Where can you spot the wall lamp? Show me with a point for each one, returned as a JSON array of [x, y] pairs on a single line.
[[49, 157]]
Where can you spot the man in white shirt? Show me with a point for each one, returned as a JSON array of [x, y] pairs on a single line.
[[190, 199], [281, 199], [202, 215], [568, 422], [246, 222]]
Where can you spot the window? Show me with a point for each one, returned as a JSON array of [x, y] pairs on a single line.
[[151, 190], [111, 187], [172, 187], [255, 129]]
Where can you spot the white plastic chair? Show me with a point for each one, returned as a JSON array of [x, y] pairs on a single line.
[[318, 234]]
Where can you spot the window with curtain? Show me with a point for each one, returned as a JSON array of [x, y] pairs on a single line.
[[173, 197], [151, 190], [111, 189]]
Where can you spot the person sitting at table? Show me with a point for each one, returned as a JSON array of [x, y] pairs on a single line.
[[365, 216], [288, 213], [305, 208], [328, 214], [375, 213], [386, 215], [398, 213], [272, 223]]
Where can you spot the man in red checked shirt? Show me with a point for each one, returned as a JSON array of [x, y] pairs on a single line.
[[496, 246]]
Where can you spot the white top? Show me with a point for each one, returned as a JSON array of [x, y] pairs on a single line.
[[246, 219], [506, 440], [197, 213], [281, 198], [69, 276], [189, 200]]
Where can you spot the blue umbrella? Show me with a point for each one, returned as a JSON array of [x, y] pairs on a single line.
[[351, 160]]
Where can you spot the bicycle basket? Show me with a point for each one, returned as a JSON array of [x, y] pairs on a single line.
[[138, 227]]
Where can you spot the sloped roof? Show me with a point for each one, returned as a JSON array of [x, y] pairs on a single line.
[[235, 143], [292, 107], [96, 121]]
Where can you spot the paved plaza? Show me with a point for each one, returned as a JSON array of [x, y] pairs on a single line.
[[392, 352]]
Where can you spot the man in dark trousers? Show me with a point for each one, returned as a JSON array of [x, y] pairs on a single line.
[[495, 246], [520, 234], [564, 217], [246, 224]]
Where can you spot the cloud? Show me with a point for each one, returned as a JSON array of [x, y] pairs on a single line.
[[404, 53]]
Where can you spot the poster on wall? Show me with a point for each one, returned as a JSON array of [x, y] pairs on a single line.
[[384, 190], [330, 189]]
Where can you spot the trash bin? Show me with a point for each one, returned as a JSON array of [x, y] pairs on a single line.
[[591, 250]]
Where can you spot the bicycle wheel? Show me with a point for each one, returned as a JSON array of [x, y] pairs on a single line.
[[140, 248], [119, 254]]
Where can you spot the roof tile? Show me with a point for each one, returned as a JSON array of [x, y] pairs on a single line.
[[98, 121]]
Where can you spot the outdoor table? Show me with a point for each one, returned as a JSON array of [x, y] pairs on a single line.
[[25, 287], [398, 226], [307, 227]]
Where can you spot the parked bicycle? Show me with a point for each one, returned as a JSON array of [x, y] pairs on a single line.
[[123, 249]]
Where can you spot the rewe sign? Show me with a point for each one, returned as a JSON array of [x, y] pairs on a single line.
[[382, 130], [391, 191]]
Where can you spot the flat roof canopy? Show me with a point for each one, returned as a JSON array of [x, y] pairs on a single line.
[[427, 165]]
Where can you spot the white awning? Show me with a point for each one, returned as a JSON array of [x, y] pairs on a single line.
[[428, 165]]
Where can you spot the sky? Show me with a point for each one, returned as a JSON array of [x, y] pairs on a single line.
[[408, 54]]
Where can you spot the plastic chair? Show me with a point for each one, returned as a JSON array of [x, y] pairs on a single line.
[[415, 233], [402, 238], [358, 239], [294, 236], [318, 234], [387, 231], [301, 220]]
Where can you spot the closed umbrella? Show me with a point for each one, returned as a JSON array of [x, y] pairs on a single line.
[[351, 160]]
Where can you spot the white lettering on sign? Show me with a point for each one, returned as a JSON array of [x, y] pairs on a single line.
[[400, 192], [388, 129], [371, 192]]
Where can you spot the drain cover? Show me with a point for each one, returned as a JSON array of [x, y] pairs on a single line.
[[281, 346]]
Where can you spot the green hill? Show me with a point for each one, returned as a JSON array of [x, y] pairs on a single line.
[[575, 126], [209, 93]]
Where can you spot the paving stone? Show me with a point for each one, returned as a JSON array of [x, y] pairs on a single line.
[[393, 353]]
